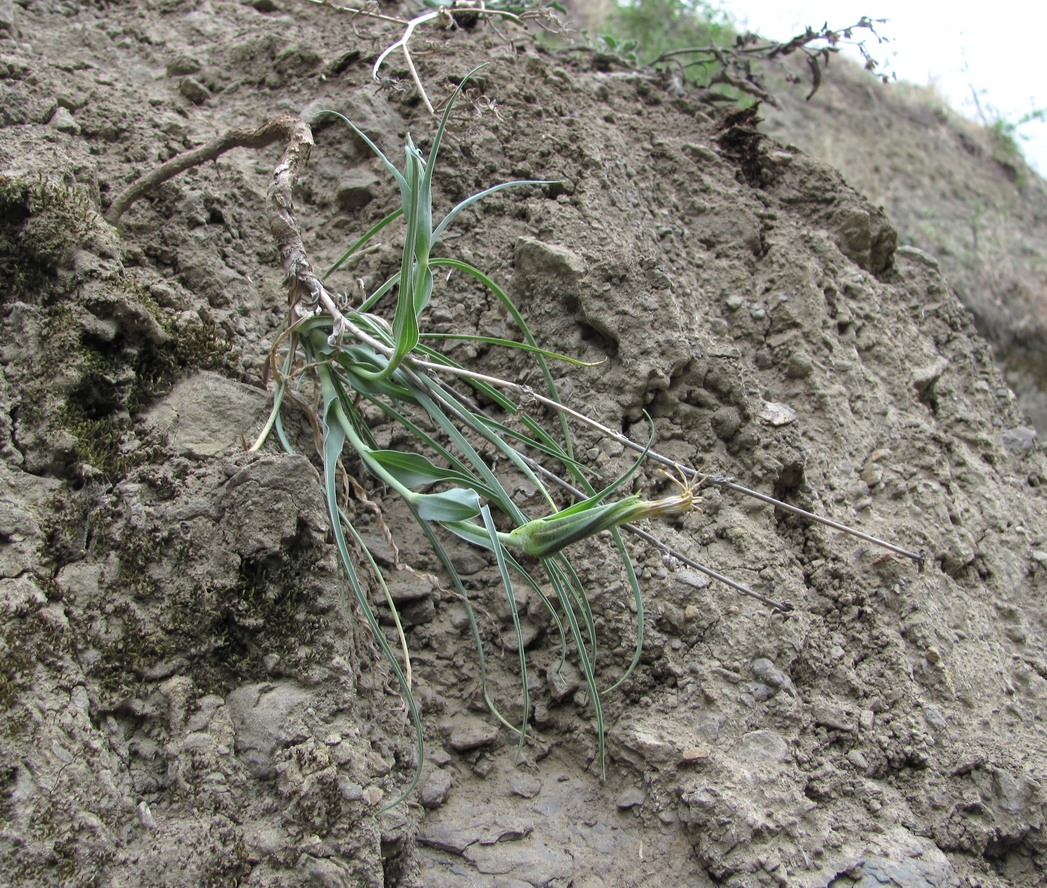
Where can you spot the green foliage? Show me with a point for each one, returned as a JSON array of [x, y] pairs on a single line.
[[653, 27], [445, 476], [696, 42]]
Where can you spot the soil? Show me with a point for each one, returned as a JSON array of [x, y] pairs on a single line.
[[959, 191], [188, 695]]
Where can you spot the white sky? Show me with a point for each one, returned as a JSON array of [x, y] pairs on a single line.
[[993, 48]]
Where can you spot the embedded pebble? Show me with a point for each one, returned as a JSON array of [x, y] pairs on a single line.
[[194, 90], [769, 674], [632, 797], [1019, 440], [562, 683], [434, 789], [472, 733], [356, 190], [526, 786], [695, 755], [777, 414], [64, 122]]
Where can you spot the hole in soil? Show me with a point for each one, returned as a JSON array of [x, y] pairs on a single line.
[[790, 479], [95, 396], [593, 336]]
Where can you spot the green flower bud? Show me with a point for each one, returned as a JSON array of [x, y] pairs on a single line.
[[547, 536]]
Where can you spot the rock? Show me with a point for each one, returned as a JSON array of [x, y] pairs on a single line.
[[562, 683], [864, 235], [830, 714], [536, 259], [183, 64], [769, 674], [527, 786], [529, 633], [469, 733], [7, 18], [206, 415], [356, 190], [633, 797], [777, 414], [1019, 440], [763, 748], [726, 422], [407, 586], [194, 90], [695, 755], [918, 256], [926, 376], [63, 121], [262, 718], [434, 788]]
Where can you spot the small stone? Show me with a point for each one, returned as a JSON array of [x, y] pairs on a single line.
[[350, 791], [562, 683], [181, 65], [373, 795], [194, 91], [472, 733], [925, 377], [919, 257], [633, 797], [726, 422], [734, 302], [534, 258], [691, 613], [695, 755], [777, 414], [146, 815], [356, 190], [1017, 634], [799, 366], [529, 634], [459, 617], [769, 674], [1019, 440], [527, 786], [858, 759], [7, 17], [872, 474], [935, 718], [831, 715], [63, 121], [439, 756], [435, 788], [933, 655]]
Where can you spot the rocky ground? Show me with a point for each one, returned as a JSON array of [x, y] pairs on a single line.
[[957, 190], [188, 695]]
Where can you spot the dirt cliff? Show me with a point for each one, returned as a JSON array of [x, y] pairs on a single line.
[[188, 696], [957, 190]]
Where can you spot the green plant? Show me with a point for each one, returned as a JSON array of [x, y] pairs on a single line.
[[697, 42], [343, 364], [336, 361]]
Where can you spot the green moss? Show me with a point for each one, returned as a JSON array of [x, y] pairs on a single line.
[[270, 611], [40, 222]]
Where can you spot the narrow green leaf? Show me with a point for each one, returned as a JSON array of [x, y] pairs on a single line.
[[457, 504]]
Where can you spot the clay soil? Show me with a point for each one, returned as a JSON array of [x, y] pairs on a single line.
[[188, 696]]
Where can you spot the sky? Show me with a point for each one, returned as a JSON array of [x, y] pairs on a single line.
[[959, 48]]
